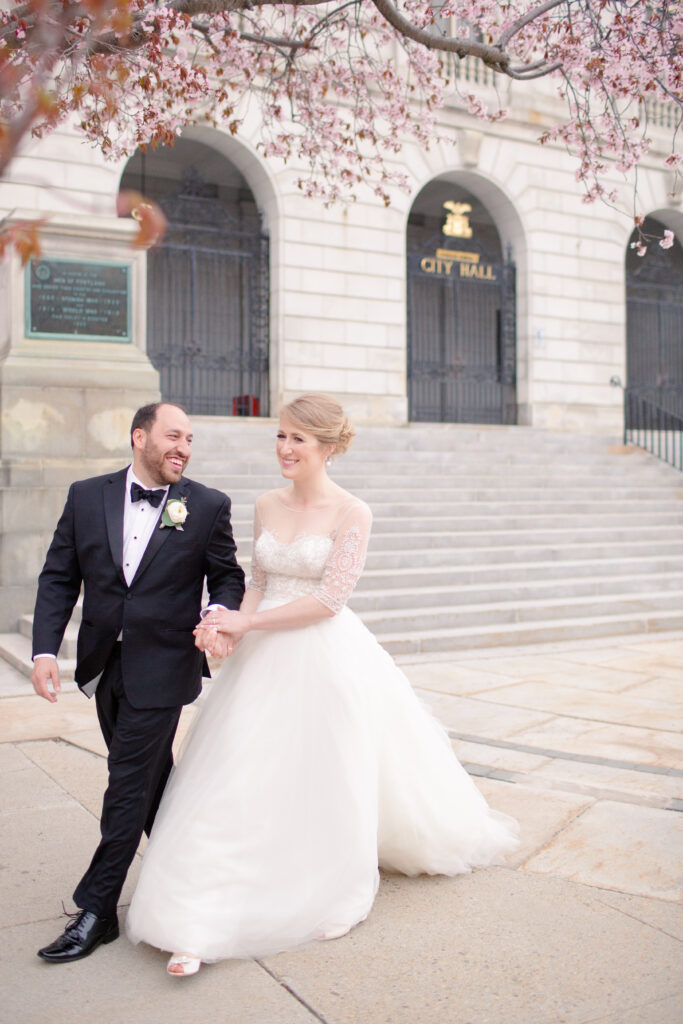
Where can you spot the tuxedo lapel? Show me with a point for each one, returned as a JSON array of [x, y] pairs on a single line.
[[113, 495], [160, 536]]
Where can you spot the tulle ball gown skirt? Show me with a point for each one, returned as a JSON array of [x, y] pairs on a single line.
[[310, 763]]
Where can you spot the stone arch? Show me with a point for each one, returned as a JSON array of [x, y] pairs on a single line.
[[208, 283], [473, 376]]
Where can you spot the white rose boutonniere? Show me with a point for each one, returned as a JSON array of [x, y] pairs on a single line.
[[175, 513]]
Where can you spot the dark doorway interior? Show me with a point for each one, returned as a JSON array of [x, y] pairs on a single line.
[[207, 283], [461, 311], [654, 324]]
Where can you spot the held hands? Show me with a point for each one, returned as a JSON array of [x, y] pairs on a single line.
[[218, 645], [225, 621], [223, 646], [219, 632], [208, 639], [46, 671]]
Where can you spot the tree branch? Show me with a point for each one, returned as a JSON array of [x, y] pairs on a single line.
[[492, 56], [532, 15]]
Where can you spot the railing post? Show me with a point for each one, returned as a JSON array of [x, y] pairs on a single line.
[[643, 419]]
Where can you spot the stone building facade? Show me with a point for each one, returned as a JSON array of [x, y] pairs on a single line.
[[491, 293]]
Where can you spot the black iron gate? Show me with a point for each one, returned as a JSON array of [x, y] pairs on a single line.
[[207, 304], [654, 330], [461, 337]]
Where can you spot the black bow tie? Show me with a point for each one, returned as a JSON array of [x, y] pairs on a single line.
[[138, 493]]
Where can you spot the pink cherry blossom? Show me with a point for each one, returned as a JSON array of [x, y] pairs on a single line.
[[341, 86]]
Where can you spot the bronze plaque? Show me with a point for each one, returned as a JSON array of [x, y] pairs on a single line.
[[81, 300]]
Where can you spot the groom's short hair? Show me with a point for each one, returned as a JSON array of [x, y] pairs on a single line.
[[146, 415]]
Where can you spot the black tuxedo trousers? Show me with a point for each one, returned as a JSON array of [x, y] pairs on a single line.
[[154, 668], [140, 759]]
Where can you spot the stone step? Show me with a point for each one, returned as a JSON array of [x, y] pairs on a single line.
[[390, 612], [424, 538], [218, 440], [15, 649], [482, 535], [383, 525], [229, 427], [386, 598], [376, 496], [513, 545], [420, 619], [480, 559], [393, 461], [524, 510], [511, 572], [523, 633], [494, 514], [412, 558], [236, 461], [213, 442], [68, 648], [394, 588]]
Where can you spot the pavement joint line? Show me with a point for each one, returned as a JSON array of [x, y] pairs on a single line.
[[550, 648], [634, 917], [481, 696], [578, 813], [611, 1017], [52, 779], [608, 762], [71, 743], [288, 988], [595, 792]]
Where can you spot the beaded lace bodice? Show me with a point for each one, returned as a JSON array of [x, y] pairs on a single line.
[[324, 564], [293, 569]]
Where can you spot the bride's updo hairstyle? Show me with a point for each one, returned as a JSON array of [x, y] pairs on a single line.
[[323, 417]]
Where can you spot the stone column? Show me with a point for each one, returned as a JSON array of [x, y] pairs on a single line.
[[66, 404]]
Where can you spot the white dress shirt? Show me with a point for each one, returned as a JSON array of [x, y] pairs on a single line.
[[139, 521]]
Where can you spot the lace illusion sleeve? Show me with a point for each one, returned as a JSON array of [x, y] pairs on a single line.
[[257, 580], [347, 558]]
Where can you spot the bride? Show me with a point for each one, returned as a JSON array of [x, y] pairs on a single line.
[[312, 762]]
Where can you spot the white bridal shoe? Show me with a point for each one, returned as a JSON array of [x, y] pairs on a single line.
[[182, 964]]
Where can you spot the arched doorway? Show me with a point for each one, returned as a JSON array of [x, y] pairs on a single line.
[[654, 323], [461, 311], [207, 283]]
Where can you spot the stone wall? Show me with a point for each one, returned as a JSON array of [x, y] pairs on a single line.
[[66, 407], [338, 300]]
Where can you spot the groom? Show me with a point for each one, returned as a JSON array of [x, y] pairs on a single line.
[[141, 542]]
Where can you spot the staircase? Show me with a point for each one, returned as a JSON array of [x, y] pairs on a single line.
[[482, 536]]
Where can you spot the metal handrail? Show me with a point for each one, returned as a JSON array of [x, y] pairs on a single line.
[[650, 426]]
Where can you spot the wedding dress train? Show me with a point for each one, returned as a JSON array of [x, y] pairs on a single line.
[[310, 763]]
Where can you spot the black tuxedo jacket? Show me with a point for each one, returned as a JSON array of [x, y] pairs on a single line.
[[157, 613]]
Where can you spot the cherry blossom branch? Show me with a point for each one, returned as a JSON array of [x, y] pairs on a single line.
[[493, 56], [339, 86], [526, 19]]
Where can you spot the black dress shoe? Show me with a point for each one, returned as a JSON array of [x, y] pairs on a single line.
[[80, 937]]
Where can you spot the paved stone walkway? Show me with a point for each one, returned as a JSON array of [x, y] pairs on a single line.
[[581, 741]]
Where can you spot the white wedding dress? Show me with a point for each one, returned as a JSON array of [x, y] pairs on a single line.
[[310, 763]]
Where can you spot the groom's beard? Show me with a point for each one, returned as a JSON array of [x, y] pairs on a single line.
[[157, 465]]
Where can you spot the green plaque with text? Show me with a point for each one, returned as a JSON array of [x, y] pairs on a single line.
[[78, 300]]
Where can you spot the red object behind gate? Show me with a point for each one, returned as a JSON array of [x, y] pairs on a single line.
[[246, 405]]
